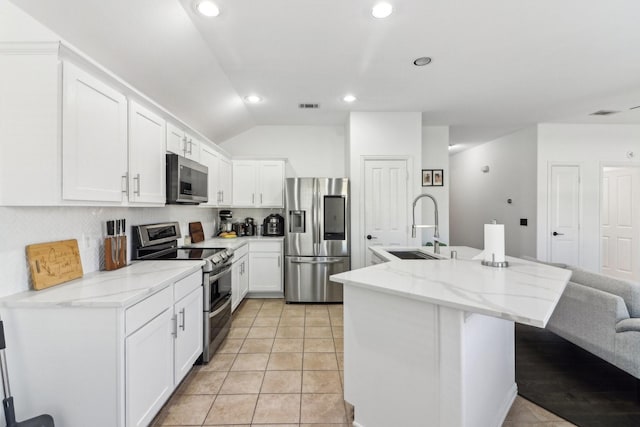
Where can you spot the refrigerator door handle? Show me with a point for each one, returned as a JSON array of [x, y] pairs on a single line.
[[329, 261]]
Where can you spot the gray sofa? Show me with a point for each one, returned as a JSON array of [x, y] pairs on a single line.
[[602, 315]]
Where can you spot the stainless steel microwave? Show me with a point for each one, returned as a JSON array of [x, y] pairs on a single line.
[[186, 181]]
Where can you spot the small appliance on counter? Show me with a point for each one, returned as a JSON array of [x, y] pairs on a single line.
[[250, 227], [240, 229], [273, 225], [226, 221]]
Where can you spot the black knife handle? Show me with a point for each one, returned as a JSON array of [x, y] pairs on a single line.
[[110, 228]]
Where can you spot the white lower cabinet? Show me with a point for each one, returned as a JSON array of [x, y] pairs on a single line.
[[132, 358], [149, 369], [265, 259], [239, 277], [189, 324]]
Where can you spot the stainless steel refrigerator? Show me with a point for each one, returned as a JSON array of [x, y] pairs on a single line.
[[317, 238]]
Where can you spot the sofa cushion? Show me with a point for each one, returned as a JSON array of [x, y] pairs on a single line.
[[628, 291], [628, 325]]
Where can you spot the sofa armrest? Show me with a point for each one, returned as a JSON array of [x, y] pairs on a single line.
[[628, 325], [588, 317]]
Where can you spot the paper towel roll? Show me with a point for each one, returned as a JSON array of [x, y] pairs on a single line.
[[494, 242]]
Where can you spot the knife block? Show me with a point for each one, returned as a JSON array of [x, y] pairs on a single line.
[[115, 252]]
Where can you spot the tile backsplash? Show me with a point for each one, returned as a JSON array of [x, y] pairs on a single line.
[[22, 226]]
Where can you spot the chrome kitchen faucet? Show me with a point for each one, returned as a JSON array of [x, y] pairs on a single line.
[[436, 234]]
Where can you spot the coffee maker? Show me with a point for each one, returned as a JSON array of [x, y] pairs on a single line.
[[249, 227], [273, 225], [226, 221]]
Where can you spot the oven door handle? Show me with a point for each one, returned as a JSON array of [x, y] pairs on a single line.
[[219, 275], [221, 309]]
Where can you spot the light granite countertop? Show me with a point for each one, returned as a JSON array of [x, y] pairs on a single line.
[[118, 288], [525, 292]]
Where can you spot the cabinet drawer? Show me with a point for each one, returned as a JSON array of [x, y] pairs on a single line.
[[265, 246], [240, 252], [147, 309], [185, 286]]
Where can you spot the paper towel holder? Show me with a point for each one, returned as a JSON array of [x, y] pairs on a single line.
[[493, 263]]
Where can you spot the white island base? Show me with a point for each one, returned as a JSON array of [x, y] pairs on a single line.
[[414, 363]]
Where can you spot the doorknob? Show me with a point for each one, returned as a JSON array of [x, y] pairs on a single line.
[[369, 237], [555, 233]]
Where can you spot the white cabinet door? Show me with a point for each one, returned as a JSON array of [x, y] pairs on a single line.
[[94, 138], [175, 139], [188, 343], [146, 156], [225, 179], [271, 184], [192, 148], [210, 158], [236, 277], [244, 278], [244, 183], [266, 271], [148, 369]]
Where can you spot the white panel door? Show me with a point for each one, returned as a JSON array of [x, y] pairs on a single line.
[[564, 215], [210, 158], [266, 272], [188, 344], [386, 203], [147, 160], [271, 184], [149, 369], [94, 138], [620, 230]]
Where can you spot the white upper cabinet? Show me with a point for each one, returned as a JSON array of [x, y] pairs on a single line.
[[175, 139], [210, 158], [224, 183], [258, 183], [147, 168], [94, 138]]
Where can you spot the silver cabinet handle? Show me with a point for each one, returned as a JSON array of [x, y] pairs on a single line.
[[174, 324], [278, 260], [260, 198], [253, 199], [184, 317], [136, 190], [125, 183], [190, 146], [330, 261], [184, 145]]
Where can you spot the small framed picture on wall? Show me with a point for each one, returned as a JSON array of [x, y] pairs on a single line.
[[427, 177], [438, 177]]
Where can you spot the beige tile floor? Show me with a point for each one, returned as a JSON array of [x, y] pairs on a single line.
[[283, 365]]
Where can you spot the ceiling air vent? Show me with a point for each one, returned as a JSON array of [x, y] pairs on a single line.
[[309, 106], [604, 113]]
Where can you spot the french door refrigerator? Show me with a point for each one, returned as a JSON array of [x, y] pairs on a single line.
[[317, 238]]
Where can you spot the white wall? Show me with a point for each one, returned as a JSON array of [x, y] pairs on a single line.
[[380, 134], [477, 197], [590, 147], [22, 226], [316, 151], [435, 155]]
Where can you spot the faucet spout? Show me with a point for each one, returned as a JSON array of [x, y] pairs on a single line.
[[436, 233]]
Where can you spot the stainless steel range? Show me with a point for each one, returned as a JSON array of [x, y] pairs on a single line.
[[160, 242]]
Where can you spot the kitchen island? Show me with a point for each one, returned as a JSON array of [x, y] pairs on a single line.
[[431, 342]]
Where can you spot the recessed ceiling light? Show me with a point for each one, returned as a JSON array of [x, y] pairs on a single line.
[[422, 61], [207, 8], [252, 99], [349, 98], [381, 10]]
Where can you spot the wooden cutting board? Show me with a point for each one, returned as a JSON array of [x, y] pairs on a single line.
[[54, 263]]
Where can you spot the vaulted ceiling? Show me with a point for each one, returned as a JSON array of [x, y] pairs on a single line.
[[498, 65]]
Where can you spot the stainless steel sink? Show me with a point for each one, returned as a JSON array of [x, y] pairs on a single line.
[[412, 255]]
